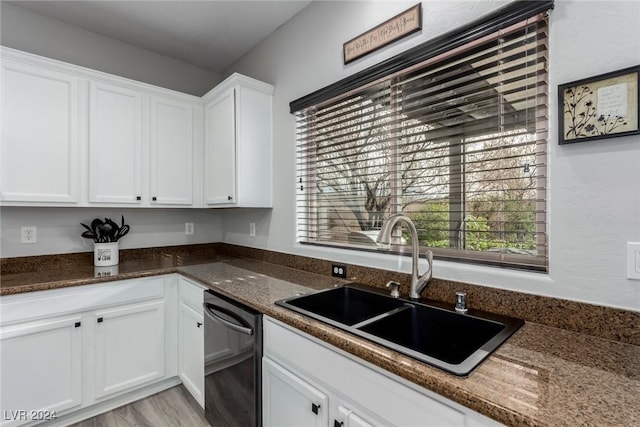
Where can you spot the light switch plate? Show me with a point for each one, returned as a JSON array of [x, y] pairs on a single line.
[[633, 260]]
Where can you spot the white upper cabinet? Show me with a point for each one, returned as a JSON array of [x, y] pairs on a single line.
[[115, 144], [238, 144], [220, 149], [142, 148], [72, 136], [171, 152], [39, 150]]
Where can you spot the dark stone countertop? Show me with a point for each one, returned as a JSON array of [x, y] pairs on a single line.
[[540, 376]]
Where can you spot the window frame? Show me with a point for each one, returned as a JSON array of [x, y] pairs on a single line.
[[431, 52]]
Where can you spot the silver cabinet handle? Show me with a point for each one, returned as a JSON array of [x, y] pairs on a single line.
[[210, 311]]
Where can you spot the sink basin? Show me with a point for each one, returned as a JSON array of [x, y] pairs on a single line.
[[435, 333], [452, 341], [345, 305]]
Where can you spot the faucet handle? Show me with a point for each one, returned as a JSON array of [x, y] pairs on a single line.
[[461, 302], [395, 288]]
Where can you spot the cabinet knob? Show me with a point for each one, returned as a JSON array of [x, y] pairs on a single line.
[[77, 324], [198, 324], [138, 197], [100, 319], [154, 198], [229, 198], [337, 423], [315, 408]]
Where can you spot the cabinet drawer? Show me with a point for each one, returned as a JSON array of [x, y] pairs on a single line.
[[191, 294], [35, 305]]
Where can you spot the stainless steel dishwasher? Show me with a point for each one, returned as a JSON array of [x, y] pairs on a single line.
[[233, 360]]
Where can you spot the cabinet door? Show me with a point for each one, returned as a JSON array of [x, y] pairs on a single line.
[[254, 148], [171, 149], [348, 418], [115, 144], [288, 401], [129, 347], [191, 352], [41, 368], [220, 150], [39, 139]]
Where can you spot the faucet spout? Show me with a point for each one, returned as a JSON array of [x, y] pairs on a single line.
[[418, 282]]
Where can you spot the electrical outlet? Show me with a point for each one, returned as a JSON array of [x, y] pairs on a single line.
[[189, 228], [28, 234], [633, 260], [252, 229], [339, 270]]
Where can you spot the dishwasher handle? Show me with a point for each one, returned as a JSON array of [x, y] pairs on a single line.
[[210, 311]]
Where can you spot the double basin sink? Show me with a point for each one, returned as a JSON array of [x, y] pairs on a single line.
[[452, 341]]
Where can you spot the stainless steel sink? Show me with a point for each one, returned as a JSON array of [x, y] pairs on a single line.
[[439, 336]]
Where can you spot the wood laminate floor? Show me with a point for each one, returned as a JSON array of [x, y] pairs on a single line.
[[172, 408]]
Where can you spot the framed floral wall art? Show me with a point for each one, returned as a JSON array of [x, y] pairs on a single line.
[[603, 106]]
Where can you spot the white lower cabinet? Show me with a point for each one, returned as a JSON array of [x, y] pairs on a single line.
[[191, 338], [348, 418], [289, 401], [66, 352], [41, 368], [302, 374], [129, 347]]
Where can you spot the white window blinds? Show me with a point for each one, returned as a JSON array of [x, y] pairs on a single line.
[[456, 142]]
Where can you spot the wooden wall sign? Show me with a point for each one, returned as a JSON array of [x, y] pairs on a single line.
[[399, 26]]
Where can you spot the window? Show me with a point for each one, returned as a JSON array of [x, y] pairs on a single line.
[[456, 141]]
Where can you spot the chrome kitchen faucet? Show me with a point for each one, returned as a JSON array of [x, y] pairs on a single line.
[[418, 283]]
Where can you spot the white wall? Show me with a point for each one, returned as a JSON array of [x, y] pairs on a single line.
[[594, 187], [59, 229], [32, 32]]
